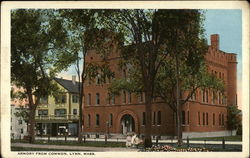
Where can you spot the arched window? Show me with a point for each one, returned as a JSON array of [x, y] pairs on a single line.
[[97, 98], [110, 119], [124, 97], [97, 122], [89, 120], [89, 99], [159, 118]]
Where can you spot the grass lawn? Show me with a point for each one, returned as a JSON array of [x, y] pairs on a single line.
[[74, 143], [227, 138], [36, 149]]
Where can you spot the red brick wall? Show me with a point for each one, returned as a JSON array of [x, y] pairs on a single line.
[[221, 64]]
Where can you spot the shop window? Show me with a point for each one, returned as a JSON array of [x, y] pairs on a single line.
[[159, 118]]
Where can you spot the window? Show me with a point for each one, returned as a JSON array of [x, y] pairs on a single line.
[[129, 98], [203, 96], [97, 122], [141, 97], [109, 98], [42, 112], [213, 119], [206, 96], [143, 118], [60, 99], [124, 73], [222, 119], [75, 98], [44, 100], [219, 119], [113, 99], [20, 122], [153, 118], [110, 119], [98, 79], [213, 97], [159, 118], [89, 120], [60, 112], [124, 97], [89, 99], [21, 131], [199, 120], [193, 97], [203, 118], [74, 111], [97, 98], [183, 118], [207, 118], [188, 117]]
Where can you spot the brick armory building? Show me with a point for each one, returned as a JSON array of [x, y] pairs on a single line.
[[204, 114]]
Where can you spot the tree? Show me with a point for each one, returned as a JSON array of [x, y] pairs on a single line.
[[233, 118], [164, 50], [83, 35], [37, 55]]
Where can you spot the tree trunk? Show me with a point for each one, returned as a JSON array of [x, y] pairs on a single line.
[[80, 111], [32, 111], [179, 123], [148, 111]]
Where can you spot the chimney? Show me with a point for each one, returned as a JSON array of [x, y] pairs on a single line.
[[74, 79], [215, 41]]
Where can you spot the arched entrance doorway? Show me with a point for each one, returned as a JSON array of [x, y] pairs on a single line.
[[127, 124]]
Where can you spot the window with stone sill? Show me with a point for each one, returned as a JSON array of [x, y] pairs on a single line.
[[61, 99]]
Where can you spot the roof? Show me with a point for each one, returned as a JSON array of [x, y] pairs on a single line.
[[68, 85]]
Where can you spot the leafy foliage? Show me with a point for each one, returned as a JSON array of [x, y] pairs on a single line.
[[233, 117]]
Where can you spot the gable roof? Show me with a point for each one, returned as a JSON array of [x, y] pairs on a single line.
[[68, 85]]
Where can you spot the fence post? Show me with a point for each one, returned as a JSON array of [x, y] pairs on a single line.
[[205, 143], [49, 138], [65, 137], [105, 139], [188, 142], [157, 140], [223, 143]]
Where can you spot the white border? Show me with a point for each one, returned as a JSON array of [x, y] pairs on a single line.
[[5, 64]]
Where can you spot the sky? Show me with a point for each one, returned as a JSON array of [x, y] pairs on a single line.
[[225, 22]]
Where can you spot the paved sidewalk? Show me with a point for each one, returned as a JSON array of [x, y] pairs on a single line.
[[77, 148]]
